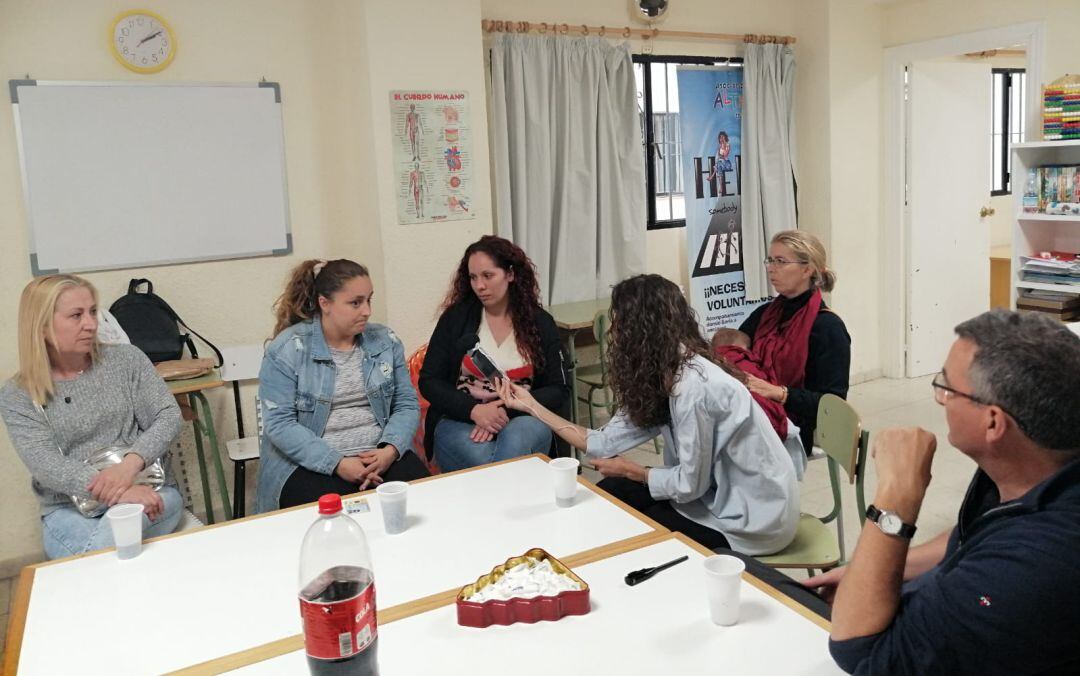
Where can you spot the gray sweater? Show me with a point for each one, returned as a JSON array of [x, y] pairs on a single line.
[[120, 400]]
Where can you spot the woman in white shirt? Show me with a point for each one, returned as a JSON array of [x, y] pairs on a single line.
[[727, 480]]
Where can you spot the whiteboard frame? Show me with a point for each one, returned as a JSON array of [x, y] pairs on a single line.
[[37, 271]]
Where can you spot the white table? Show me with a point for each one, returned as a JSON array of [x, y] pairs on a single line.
[[197, 596], [661, 626]]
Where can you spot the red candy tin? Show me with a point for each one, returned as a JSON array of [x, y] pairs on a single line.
[[551, 608]]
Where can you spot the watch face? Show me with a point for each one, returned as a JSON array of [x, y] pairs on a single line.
[[890, 523], [142, 42]]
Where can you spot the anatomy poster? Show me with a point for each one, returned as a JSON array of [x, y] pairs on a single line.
[[432, 155]]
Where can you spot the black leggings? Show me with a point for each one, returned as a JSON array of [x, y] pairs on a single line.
[[637, 496], [304, 486]]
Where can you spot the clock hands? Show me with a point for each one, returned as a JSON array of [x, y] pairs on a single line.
[[148, 38]]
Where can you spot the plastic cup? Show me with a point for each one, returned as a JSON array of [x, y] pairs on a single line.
[[723, 580], [393, 498], [126, 523], [564, 478]]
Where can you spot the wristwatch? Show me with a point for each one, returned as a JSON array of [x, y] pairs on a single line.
[[890, 523]]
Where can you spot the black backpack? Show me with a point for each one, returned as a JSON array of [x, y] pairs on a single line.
[[153, 326]]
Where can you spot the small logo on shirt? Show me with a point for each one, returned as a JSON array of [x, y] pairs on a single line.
[[984, 601], [386, 369]]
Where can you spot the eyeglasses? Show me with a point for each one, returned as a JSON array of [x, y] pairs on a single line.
[[783, 261], [942, 392]]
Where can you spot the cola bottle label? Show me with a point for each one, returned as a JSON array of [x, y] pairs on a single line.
[[338, 610]]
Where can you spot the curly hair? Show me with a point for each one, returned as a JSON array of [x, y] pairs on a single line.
[[300, 300], [654, 333], [524, 291]]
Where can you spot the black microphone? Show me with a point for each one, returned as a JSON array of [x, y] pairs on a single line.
[[67, 400], [467, 342]]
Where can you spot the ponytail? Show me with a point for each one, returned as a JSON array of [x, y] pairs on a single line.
[[308, 281]]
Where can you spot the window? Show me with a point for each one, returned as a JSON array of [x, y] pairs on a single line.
[[1008, 118], [658, 106]]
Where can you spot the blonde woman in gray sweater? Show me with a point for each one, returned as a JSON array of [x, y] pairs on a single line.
[[73, 396]]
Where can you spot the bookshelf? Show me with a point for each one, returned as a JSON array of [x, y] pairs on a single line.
[[1041, 232]]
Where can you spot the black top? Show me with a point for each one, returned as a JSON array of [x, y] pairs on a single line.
[[1005, 599], [442, 367], [828, 361]]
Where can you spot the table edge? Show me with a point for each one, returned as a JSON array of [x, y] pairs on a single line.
[[20, 602], [401, 611], [20, 606]]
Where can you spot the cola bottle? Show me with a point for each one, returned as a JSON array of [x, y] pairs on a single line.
[[337, 595]]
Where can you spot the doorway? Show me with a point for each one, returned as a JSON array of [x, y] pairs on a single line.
[[941, 218]]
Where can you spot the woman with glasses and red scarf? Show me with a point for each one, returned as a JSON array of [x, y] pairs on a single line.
[[802, 343]]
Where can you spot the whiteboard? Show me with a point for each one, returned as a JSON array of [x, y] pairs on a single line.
[[119, 175]]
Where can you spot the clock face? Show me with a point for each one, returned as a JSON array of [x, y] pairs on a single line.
[[891, 523], [143, 42]]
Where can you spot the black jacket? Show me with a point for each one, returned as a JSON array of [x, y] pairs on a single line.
[[828, 360], [1004, 600], [442, 367]]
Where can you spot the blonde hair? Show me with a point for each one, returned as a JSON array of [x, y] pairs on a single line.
[[37, 305], [809, 249]]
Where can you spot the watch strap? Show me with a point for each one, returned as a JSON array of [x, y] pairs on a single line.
[[907, 530]]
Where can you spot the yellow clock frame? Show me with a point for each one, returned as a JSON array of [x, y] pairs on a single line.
[[127, 64]]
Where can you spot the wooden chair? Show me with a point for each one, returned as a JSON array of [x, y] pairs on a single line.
[[839, 433]]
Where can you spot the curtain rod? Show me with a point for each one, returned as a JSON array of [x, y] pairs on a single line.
[[989, 53], [494, 26]]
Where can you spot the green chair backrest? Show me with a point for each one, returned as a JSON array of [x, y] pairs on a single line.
[[599, 330], [839, 432]]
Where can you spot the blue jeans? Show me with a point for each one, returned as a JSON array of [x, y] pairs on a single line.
[[66, 532], [455, 450]]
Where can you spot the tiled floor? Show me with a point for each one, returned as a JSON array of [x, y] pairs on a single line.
[[884, 403]]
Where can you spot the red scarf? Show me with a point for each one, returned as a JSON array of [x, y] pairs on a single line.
[[782, 348]]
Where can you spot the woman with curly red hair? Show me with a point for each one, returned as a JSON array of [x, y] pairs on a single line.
[[727, 480], [494, 301]]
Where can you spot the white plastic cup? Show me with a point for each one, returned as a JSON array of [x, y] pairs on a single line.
[[393, 499], [126, 523], [564, 473], [723, 580]]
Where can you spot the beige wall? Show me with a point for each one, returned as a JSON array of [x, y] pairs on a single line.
[[336, 61], [408, 45], [854, 123], [917, 21]]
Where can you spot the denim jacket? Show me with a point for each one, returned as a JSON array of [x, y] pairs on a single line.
[[296, 388]]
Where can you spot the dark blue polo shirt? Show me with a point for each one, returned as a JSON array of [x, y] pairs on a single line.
[[1004, 600]]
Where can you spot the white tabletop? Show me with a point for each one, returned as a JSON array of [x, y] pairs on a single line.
[[661, 626], [199, 596]]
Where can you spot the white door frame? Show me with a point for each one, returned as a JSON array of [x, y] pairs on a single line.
[[896, 232]]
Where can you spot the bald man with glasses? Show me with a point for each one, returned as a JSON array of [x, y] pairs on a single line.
[[1000, 592]]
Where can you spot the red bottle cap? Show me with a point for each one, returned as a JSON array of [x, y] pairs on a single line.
[[330, 504]]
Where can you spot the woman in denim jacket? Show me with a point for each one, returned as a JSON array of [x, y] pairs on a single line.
[[339, 409]]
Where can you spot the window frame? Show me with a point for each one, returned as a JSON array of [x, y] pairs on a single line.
[[1005, 177], [649, 143]]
